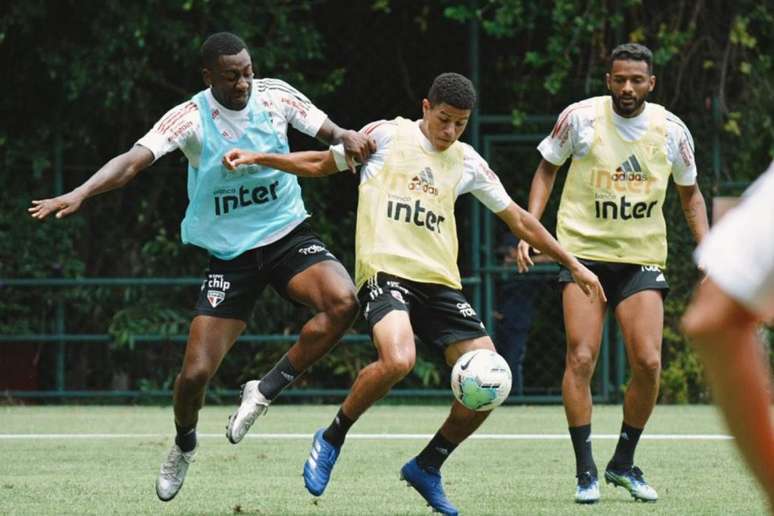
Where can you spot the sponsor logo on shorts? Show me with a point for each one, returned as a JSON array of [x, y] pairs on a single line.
[[397, 295], [396, 285], [314, 249], [216, 289], [466, 310]]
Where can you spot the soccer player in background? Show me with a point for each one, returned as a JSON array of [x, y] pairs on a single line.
[[252, 225], [406, 264], [725, 317], [623, 150]]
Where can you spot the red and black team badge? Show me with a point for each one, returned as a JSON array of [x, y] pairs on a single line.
[[216, 289]]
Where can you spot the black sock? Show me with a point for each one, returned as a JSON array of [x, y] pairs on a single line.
[[581, 443], [436, 452], [623, 458], [185, 438], [280, 376], [338, 429]]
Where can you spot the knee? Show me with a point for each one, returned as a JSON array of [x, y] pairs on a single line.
[[581, 363], [646, 366], [396, 367], [343, 307], [194, 377]]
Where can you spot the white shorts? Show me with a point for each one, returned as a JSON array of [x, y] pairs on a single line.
[[738, 254]]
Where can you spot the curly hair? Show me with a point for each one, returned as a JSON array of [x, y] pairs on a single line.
[[632, 52], [220, 44], [453, 89]]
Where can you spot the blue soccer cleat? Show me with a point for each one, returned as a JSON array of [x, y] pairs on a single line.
[[318, 467], [428, 483]]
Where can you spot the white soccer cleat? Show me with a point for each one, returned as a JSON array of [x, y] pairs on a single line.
[[633, 481], [173, 472], [253, 405], [587, 490]]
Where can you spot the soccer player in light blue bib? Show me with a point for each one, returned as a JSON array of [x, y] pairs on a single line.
[[251, 223]]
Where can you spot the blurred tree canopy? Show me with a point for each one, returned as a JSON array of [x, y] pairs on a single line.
[[87, 79]]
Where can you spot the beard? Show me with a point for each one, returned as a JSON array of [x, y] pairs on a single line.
[[627, 108]]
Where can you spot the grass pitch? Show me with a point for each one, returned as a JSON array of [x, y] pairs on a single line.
[[104, 460]]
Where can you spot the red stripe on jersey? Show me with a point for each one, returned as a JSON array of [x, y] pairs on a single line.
[[373, 125], [564, 118], [168, 121]]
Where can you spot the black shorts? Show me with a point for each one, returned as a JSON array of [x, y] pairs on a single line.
[[621, 280], [232, 286], [440, 315]]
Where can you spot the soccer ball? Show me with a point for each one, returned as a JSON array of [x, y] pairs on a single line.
[[481, 379]]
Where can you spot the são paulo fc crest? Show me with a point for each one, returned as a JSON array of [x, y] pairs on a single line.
[[397, 295], [215, 297], [216, 289]]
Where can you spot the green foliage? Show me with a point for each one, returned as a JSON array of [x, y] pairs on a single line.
[[87, 79]]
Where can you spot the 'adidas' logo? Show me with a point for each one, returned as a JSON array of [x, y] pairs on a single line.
[[630, 164]]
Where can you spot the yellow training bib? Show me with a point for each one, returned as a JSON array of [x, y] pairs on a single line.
[[612, 203], [405, 214]]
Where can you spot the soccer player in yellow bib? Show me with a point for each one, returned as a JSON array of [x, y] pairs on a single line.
[[406, 264], [623, 150]]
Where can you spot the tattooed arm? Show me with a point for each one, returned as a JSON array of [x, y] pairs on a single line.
[[694, 209]]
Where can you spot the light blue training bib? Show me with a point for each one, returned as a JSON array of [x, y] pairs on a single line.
[[232, 212]]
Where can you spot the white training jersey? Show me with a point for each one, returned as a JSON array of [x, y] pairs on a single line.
[[477, 177], [181, 127], [738, 253], [573, 135]]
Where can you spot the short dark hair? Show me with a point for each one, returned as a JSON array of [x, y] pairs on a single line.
[[220, 44], [453, 89], [632, 52]]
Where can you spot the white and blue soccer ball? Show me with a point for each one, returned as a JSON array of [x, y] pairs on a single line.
[[481, 379]]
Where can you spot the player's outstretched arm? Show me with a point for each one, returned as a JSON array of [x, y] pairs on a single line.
[[525, 226], [539, 192], [694, 209], [356, 145], [303, 164], [114, 174]]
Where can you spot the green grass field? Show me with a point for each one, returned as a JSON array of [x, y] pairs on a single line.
[[102, 474]]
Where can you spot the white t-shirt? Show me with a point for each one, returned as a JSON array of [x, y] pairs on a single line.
[[573, 135], [738, 253], [181, 127], [477, 177]]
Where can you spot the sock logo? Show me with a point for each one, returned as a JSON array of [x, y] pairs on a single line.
[[287, 376], [624, 436], [441, 450]]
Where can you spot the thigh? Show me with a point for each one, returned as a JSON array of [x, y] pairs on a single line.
[[321, 285], [455, 350], [393, 337], [231, 287], [445, 317], [641, 318], [583, 320], [295, 254]]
